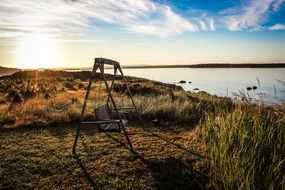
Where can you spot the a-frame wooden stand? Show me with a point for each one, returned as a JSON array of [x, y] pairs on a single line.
[[99, 64]]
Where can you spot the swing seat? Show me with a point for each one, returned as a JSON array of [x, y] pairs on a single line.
[[102, 113]]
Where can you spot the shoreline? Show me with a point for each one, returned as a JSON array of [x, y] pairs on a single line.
[[211, 65], [207, 65], [198, 66]]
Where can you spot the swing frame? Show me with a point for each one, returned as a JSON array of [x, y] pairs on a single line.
[[99, 65]]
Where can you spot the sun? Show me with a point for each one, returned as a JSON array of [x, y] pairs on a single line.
[[37, 51]]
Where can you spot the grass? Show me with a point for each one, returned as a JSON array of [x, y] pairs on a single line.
[[37, 158], [198, 141], [246, 147]]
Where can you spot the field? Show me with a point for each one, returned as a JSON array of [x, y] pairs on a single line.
[[186, 141]]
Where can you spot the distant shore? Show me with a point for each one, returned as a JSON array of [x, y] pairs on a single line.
[[4, 70], [7, 71], [211, 65]]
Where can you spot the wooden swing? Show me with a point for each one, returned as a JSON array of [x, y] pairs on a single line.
[[105, 121]]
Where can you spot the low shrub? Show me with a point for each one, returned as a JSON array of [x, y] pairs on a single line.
[[69, 85], [15, 96], [137, 89], [28, 93], [7, 121]]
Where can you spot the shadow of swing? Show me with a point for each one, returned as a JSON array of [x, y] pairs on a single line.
[[169, 173], [85, 172], [172, 173], [179, 146]]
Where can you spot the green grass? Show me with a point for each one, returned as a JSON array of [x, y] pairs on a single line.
[[246, 147]]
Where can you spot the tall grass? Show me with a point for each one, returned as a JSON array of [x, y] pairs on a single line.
[[246, 147], [179, 107]]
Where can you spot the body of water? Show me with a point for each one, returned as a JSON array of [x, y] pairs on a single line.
[[223, 81]]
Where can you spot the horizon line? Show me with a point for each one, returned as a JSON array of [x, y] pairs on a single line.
[[146, 66]]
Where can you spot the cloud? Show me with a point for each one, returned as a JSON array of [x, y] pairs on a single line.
[[70, 17], [277, 4], [61, 16], [205, 24], [81, 41], [212, 24], [277, 27], [251, 15], [22, 17], [163, 24]]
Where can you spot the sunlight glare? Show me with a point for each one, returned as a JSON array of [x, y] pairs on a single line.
[[36, 51]]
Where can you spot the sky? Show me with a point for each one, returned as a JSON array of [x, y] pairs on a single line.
[[71, 33]]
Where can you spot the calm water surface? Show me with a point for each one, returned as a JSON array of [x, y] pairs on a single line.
[[222, 81]]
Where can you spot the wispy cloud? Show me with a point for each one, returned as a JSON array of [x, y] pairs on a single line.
[[163, 23], [57, 17], [70, 17], [251, 15], [212, 24], [205, 24], [81, 41], [277, 4], [277, 27], [21, 17]]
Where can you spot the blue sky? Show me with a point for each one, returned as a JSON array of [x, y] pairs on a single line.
[[70, 33]]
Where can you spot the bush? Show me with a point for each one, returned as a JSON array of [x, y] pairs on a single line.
[[47, 95], [5, 87], [69, 86], [7, 121], [28, 93], [2, 101], [81, 86], [137, 89], [15, 96]]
